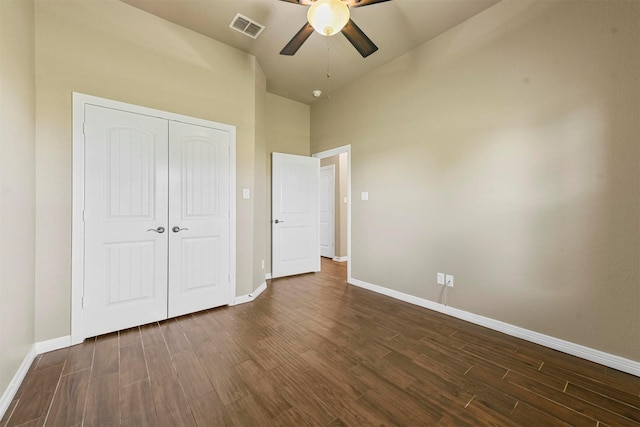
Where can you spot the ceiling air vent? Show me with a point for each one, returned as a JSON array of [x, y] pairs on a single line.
[[246, 26]]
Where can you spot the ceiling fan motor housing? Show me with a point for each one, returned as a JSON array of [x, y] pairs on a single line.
[[328, 17]]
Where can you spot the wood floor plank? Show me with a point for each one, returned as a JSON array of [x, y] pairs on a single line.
[[291, 417], [473, 413], [34, 423], [528, 415], [598, 384], [133, 366], [53, 358], [208, 410], [137, 406], [174, 336], [7, 415], [192, 375], [338, 378], [246, 412], [394, 404], [129, 336], [67, 408], [37, 395], [151, 334], [80, 357], [296, 386], [544, 404], [172, 408], [589, 402], [257, 384], [106, 357], [103, 401], [227, 383], [159, 364]]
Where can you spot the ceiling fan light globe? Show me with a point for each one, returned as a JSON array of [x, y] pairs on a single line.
[[328, 17]]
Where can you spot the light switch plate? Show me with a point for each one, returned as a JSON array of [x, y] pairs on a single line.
[[364, 195], [246, 193], [440, 277]]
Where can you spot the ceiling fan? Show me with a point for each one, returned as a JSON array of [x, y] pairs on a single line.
[[328, 17]]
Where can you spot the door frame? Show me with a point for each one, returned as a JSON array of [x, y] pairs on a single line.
[[331, 153], [77, 223]]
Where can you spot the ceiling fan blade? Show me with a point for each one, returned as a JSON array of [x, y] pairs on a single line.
[[302, 2], [294, 44], [358, 39], [360, 3]]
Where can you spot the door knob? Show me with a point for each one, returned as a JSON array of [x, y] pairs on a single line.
[[277, 221], [177, 229], [158, 230]]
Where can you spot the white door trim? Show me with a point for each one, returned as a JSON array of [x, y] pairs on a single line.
[[331, 153], [77, 224]]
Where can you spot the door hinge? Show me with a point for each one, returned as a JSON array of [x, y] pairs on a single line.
[[82, 302], [83, 128], [82, 215]]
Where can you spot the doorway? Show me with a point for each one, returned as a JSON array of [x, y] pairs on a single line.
[[341, 157]]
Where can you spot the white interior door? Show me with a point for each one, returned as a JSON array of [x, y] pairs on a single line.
[[327, 211], [295, 219], [199, 212], [125, 220]]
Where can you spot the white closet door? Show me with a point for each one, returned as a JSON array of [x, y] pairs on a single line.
[[199, 218], [126, 224]]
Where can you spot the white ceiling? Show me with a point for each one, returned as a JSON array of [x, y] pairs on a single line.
[[395, 26]]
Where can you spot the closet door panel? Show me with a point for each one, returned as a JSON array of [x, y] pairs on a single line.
[[125, 217], [199, 218]]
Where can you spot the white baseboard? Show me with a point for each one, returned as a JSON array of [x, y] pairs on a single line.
[[340, 258], [616, 362], [54, 344], [267, 276], [11, 390], [252, 296], [36, 349]]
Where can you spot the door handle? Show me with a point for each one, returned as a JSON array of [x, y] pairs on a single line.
[[177, 229], [158, 230], [277, 221]]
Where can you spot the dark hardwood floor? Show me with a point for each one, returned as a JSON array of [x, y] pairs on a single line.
[[312, 350]]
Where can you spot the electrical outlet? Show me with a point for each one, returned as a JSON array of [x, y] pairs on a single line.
[[449, 280], [262, 264], [440, 277]]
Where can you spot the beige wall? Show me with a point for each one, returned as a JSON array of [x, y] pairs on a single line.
[[261, 226], [288, 131], [505, 152], [109, 49], [17, 186]]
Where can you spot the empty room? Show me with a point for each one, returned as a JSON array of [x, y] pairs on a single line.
[[319, 212]]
